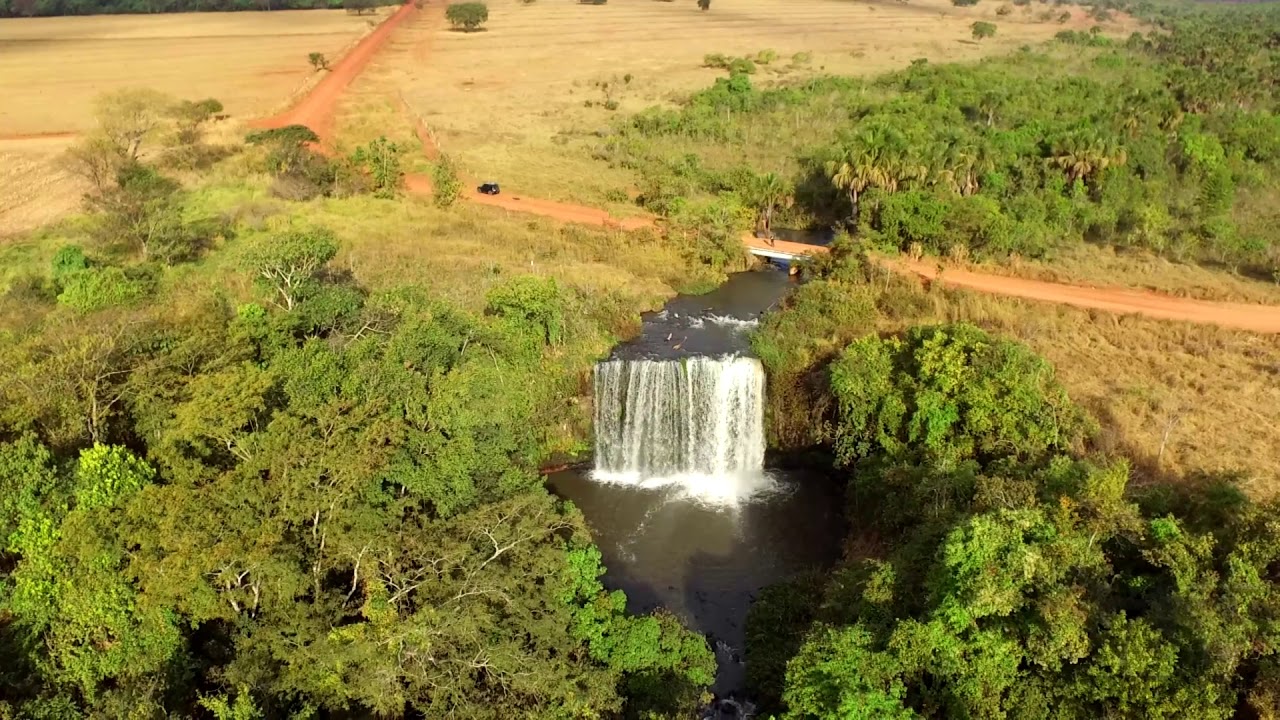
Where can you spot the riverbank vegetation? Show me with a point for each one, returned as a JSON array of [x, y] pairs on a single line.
[[1003, 560], [1162, 144], [263, 457], [1053, 513]]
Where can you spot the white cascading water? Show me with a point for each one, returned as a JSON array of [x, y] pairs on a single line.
[[695, 422]]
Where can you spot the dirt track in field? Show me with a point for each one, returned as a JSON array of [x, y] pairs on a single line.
[[317, 110]]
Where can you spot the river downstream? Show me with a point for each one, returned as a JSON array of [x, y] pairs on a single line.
[[685, 513]]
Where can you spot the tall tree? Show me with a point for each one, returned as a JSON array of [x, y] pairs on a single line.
[[873, 157], [766, 193]]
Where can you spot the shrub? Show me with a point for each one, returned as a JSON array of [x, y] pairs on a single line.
[[964, 3], [294, 187], [318, 61], [766, 56], [534, 302], [982, 30], [294, 134], [69, 259], [468, 16], [1064, 17], [380, 159], [704, 5], [1004, 10], [716, 60], [98, 288], [742, 66], [445, 183]]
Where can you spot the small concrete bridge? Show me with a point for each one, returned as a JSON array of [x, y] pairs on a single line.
[[780, 249]]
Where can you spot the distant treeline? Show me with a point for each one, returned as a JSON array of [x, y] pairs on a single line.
[[46, 8]]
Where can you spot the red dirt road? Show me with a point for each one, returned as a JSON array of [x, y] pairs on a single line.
[[316, 110], [1255, 318], [564, 212]]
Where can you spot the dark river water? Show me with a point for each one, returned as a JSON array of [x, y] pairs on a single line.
[[705, 562], [705, 556]]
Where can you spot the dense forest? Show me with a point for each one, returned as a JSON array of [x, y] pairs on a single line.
[[49, 8], [237, 483], [1167, 141]]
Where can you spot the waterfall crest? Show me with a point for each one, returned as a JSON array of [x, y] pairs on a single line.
[[697, 422]]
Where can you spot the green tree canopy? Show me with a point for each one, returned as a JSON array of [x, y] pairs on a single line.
[[467, 16]]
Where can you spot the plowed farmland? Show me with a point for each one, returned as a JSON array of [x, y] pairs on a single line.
[[51, 69]]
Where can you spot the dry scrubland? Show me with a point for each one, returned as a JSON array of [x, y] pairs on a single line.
[[508, 102], [51, 69], [1210, 397], [1179, 400]]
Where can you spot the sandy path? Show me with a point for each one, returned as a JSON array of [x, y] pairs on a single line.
[[317, 108]]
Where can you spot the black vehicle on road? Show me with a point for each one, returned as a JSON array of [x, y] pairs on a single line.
[[489, 188]]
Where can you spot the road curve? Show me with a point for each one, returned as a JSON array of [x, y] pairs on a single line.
[[316, 110]]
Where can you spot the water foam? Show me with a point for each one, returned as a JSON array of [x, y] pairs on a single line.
[[695, 423]]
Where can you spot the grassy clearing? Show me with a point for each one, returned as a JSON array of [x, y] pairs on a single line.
[[457, 253]]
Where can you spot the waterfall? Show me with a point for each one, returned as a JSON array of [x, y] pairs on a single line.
[[696, 422]]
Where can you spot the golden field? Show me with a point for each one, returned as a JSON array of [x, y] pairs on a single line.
[[511, 102], [51, 69]]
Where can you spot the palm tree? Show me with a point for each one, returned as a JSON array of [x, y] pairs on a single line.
[[766, 193], [991, 102], [872, 158], [1086, 155], [1073, 154]]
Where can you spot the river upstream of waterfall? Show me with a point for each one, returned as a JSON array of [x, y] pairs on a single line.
[[683, 509]]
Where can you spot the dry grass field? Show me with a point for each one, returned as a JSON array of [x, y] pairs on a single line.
[[34, 186], [51, 69], [1178, 399], [510, 102], [1104, 266]]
